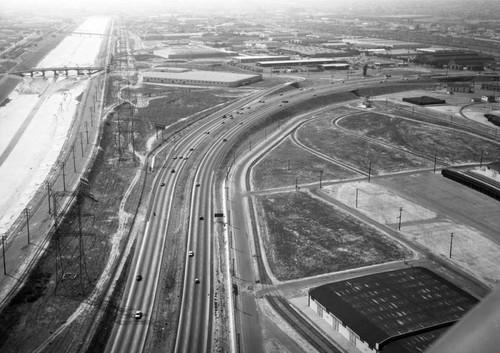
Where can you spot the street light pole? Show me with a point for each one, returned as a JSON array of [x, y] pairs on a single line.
[[64, 175], [74, 159], [451, 243], [27, 222], [3, 253], [400, 217]]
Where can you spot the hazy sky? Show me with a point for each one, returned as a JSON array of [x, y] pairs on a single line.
[[196, 4], [245, 5]]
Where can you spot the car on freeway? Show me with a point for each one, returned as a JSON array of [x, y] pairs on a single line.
[[201, 218], [197, 183], [162, 184], [138, 315], [191, 149], [175, 157], [191, 253], [138, 278], [173, 171], [196, 280]]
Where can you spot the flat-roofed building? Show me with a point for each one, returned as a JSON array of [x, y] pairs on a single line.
[[313, 51], [257, 58], [458, 59], [191, 52], [401, 311], [336, 66], [199, 78], [305, 62]]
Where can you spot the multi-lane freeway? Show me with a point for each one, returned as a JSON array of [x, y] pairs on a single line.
[[207, 143]]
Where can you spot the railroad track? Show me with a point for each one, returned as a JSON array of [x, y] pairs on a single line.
[[301, 325]]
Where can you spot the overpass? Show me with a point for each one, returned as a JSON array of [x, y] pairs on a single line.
[[80, 70], [89, 34]]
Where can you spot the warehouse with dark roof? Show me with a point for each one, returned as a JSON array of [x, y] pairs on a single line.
[[401, 311]]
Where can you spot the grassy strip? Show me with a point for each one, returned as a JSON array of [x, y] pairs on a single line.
[[111, 311], [287, 163]]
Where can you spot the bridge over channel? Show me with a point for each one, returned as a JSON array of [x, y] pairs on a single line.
[[61, 71]]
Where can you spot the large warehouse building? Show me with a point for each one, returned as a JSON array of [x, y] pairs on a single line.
[[189, 52], [178, 76], [296, 62], [401, 311], [257, 58]]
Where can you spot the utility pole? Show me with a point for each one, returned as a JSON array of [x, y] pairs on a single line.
[[81, 142], [320, 178], [48, 195], [296, 184], [356, 197], [64, 175], [74, 159], [3, 253], [481, 161], [288, 165], [87, 131], [451, 243], [250, 145], [400, 217], [369, 171], [435, 160], [27, 212]]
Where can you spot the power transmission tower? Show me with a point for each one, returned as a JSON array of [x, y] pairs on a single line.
[[72, 277]]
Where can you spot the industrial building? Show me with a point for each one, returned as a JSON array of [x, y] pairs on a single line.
[[401, 311], [191, 52], [306, 62], [178, 76], [424, 100], [336, 66], [257, 58], [465, 87], [455, 60], [374, 43], [313, 51]]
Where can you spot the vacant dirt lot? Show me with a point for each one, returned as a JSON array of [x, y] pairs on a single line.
[[304, 236]]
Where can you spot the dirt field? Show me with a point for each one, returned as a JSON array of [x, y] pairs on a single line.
[[305, 237], [433, 208]]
